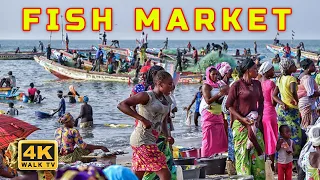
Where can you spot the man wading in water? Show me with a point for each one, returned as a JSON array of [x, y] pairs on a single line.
[[85, 114]]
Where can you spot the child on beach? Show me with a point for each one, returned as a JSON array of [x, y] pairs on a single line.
[[38, 97], [197, 98], [154, 108], [285, 148], [12, 111]]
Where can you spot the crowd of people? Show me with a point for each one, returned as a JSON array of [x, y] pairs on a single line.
[[268, 118]]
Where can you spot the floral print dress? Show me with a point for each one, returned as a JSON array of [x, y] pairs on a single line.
[[311, 172]]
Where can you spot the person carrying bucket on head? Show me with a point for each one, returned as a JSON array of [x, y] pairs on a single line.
[[72, 94]]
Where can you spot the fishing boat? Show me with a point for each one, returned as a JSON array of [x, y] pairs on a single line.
[[68, 59], [304, 54], [172, 52], [64, 72], [9, 93], [18, 56], [128, 53], [121, 51], [190, 78]]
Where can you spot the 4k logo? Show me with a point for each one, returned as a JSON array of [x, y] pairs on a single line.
[[38, 155]]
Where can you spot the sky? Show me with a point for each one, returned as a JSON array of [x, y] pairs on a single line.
[[304, 19]]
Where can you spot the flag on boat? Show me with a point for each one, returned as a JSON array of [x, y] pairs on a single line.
[[277, 33], [293, 31]]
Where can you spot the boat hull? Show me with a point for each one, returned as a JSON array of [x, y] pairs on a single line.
[[304, 54], [64, 72]]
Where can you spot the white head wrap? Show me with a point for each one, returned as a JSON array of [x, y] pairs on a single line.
[[314, 135], [285, 64], [265, 67]]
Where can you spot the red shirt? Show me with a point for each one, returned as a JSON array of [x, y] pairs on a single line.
[[195, 54], [287, 49], [32, 91]]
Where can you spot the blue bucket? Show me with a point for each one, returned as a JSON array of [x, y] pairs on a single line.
[[42, 115]]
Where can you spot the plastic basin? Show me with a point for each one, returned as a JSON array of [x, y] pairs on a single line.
[[190, 171], [184, 161], [216, 165]]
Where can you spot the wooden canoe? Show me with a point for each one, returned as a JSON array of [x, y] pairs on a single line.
[[304, 54], [64, 72], [87, 65], [190, 79], [19, 56]]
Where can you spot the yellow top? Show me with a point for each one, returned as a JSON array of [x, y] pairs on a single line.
[[215, 108], [284, 87]]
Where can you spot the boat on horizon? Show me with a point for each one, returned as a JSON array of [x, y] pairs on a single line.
[[19, 56]]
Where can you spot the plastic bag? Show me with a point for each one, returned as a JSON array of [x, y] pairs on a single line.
[[188, 119], [269, 172]]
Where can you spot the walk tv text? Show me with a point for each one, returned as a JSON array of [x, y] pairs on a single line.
[[38, 155]]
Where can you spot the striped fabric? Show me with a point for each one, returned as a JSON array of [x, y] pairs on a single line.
[[12, 128]]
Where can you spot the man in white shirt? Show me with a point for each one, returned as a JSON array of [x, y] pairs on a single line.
[[12, 79]]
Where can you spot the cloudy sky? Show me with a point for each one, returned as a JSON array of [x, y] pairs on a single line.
[[304, 19]]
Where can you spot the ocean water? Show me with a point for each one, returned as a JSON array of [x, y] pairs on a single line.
[[104, 96]]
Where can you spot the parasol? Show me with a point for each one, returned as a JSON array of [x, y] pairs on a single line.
[[12, 128]]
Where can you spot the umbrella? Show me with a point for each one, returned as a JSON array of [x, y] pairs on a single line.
[[12, 128]]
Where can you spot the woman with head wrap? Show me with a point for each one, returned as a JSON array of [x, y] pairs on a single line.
[[311, 160], [225, 71], [269, 120], [288, 112], [67, 137], [307, 93], [214, 139], [245, 98], [80, 173], [72, 94], [141, 86]]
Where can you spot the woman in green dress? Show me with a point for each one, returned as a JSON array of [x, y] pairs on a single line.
[[245, 97], [288, 112]]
